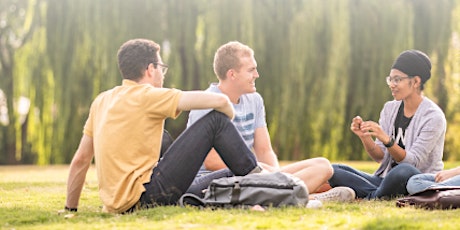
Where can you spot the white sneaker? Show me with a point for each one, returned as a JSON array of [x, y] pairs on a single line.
[[259, 169], [314, 204], [341, 194]]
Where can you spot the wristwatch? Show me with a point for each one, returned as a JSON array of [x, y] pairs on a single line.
[[70, 209], [390, 143]]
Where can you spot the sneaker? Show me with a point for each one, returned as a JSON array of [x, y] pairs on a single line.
[[258, 169], [314, 204], [341, 194]]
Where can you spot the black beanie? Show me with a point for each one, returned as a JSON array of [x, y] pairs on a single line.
[[414, 63]]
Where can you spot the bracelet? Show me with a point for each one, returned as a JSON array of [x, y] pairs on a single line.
[[70, 209], [390, 143]]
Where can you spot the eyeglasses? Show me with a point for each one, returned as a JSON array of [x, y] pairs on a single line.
[[396, 79], [164, 68]]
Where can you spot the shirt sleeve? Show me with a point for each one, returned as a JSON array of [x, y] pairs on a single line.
[[88, 127], [429, 132], [195, 115], [163, 102], [260, 120]]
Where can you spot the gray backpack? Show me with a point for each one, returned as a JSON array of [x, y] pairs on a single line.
[[273, 189]]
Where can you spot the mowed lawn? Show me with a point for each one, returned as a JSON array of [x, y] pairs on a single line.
[[32, 196]]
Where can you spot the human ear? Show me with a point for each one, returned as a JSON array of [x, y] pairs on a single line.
[[417, 81], [231, 74]]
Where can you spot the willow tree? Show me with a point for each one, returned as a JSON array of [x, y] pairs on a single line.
[[272, 30], [432, 31], [452, 83], [313, 94], [69, 51], [22, 18], [219, 23], [295, 65], [82, 42], [320, 62], [81, 48], [180, 20], [379, 31]]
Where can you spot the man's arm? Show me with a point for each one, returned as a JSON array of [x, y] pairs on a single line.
[[206, 100], [78, 169], [263, 147]]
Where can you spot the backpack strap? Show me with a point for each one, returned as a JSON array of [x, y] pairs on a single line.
[[236, 192], [191, 199]]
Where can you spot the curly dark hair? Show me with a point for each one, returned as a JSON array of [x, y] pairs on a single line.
[[135, 55]]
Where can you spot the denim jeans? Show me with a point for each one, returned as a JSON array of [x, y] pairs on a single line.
[[421, 182], [369, 186], [177, 169]]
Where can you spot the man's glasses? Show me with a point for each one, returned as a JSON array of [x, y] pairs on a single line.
[[164, 68], [396, 79]]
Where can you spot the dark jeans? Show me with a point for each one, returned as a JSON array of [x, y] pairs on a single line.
[[374, 187], [176, 171]]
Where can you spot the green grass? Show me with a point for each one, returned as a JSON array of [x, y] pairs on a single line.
[[31, 196]]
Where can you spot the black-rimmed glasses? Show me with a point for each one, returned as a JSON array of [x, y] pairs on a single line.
[[164, 67]]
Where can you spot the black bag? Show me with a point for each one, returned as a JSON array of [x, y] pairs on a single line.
[[442, 197], [272, 189]]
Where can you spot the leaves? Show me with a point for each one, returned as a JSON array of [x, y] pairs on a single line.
[[321, 63]]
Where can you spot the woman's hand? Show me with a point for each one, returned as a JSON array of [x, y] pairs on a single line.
[[446, 174], [356, 126], [368, 129]]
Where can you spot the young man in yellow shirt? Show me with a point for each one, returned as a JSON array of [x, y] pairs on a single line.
[[124, 131]]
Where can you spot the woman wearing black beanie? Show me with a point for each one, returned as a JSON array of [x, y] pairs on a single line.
[[407, 140]]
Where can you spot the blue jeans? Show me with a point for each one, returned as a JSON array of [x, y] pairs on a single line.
[[370, 186], [421, 182], [177, 169]]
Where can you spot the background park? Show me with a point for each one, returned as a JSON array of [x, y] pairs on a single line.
[[321, 63]]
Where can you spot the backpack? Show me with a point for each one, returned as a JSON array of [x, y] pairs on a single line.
[[274, 189]]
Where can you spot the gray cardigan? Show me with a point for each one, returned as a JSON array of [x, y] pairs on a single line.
[[424, 137]]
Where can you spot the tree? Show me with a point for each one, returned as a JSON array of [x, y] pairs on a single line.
[[23, 17]]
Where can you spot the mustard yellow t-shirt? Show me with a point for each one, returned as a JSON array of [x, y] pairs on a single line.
[[126, 124]]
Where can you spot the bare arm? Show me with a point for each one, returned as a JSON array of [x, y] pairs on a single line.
[[206, 100], [263, 148], [447, 174], [78, 169]]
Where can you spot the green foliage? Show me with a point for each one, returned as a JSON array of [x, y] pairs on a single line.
[[320, 62]]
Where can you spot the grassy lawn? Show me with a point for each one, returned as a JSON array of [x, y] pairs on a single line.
[[31, 196]]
